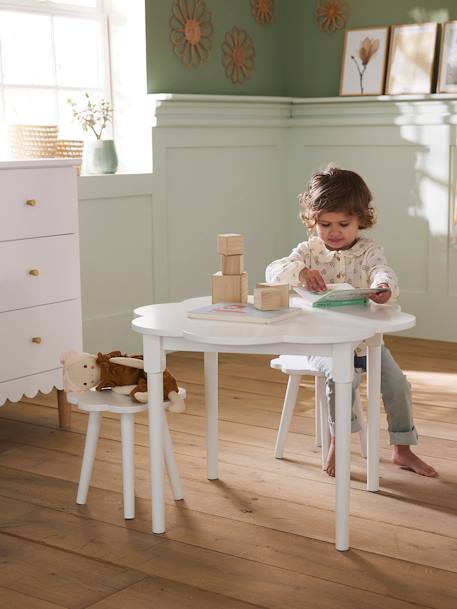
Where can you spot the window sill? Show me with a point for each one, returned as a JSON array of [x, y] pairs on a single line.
[[114, 185]]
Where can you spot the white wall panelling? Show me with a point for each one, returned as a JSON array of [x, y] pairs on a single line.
[[452, 261], [117, 268], [403, 150], [219, 166], [228, 163]]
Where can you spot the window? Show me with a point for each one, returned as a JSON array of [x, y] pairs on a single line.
[[51, 50]]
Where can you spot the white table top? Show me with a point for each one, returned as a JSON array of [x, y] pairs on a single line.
[[336, 325]]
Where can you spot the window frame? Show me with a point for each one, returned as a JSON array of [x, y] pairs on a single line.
[[47, 6], [95, 14]]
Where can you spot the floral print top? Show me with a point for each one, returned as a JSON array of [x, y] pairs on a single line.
[[363, 266]]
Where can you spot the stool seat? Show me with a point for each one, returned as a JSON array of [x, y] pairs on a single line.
[[95, 403], [297, 366], [110, 401], [294, 364]]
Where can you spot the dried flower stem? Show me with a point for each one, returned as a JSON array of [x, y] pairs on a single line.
[[360, 71], [95, 115]]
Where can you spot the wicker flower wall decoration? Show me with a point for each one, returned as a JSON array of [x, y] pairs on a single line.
[[238, 55], [262, 11], [191, 31], [332, 15]]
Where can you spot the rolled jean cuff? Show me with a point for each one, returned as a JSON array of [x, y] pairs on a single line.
[[355, 426], [403, 437]]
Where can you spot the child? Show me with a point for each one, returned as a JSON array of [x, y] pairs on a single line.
[[337, 204]]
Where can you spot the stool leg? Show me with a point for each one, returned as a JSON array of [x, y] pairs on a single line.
[[317, 414], [128, 463], [90, 447], [170, 462], [323, 408], [363, 432], [287, 412]]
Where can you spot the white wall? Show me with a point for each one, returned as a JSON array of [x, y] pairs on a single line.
[[132, 113]]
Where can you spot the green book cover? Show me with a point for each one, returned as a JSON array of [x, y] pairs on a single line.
[[337, 295]]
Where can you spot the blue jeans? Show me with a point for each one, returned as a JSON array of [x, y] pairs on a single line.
[[395, 391]]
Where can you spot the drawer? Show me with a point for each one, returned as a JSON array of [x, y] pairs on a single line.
[[38, 271], [57, 327], [52, 207]]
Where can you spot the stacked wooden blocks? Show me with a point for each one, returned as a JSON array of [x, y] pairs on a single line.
[[231, 283], [271, 296]]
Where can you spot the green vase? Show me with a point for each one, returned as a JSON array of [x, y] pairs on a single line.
[[99, 156]]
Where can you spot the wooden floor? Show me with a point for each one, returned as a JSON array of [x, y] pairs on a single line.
[[261, 536]]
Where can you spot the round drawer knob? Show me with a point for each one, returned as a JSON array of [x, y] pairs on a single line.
[[31, 202], [34, 272], [37, 340]]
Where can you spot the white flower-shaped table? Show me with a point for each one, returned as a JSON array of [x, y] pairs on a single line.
[[332, 333]]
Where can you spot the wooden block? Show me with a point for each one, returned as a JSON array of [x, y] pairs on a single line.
[[267, 299], [229, 288], [230, 244], [232, 265], [282, 288]]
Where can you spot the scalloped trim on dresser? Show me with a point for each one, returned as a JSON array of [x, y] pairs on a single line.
[[30, 385]]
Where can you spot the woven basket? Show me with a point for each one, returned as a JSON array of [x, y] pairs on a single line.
[[69, 149], [33, 141]]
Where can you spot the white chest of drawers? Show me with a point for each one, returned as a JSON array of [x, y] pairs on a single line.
[[40, 294]]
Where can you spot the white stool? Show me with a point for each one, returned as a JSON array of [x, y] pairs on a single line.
[[97, 402], [295, 367]]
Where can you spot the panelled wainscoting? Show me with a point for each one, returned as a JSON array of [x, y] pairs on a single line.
[[236, 164], [118, 230], [406, 151]]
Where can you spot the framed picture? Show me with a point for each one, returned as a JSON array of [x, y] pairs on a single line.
[[411, 58], [447, 71], [364, 61]]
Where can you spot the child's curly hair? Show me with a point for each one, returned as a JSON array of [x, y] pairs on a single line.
[[335, 189]]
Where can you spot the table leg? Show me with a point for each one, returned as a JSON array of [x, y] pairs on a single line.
[[156, 455], [374, 398], [343, 373], [212, 415], [154, 365]]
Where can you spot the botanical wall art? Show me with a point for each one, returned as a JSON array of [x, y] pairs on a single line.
[[332, 15], [364, 61], [191, 31], [411, 58], [238, 55], [262, 10], [447, 72]]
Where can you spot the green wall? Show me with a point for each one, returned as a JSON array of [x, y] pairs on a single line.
[[293, 56], [313, 57], [166, 73]]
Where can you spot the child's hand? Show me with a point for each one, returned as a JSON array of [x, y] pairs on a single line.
[[313, 280], [384, 296]]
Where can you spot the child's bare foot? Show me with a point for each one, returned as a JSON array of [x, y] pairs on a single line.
[[330, 463], [403, 456]]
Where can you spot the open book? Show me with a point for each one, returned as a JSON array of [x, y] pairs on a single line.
[[338, 294], [233, 311]]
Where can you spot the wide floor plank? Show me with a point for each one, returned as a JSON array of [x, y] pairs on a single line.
[[262, 536]]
